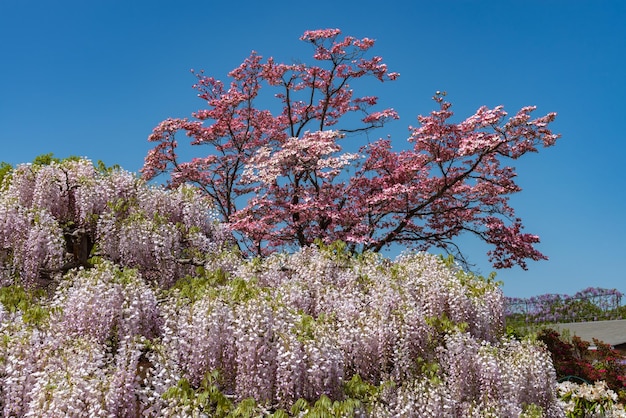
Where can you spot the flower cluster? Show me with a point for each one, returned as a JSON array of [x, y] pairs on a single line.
[[301, 326], [576, 359], [119, 299], [279, 177], [317, 330], [589, 401], [81, 355], [106, 304], [51, 217]]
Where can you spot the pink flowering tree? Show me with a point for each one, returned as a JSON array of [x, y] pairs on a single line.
[[280, 179]]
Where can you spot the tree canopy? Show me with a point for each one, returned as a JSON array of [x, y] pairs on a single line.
[[279, 180]]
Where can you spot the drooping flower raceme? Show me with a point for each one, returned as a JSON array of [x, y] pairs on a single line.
[[302, 325], [79, 352], [51, 217], [142, 312]]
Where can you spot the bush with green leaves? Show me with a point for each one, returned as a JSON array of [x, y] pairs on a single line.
[[574, 358]]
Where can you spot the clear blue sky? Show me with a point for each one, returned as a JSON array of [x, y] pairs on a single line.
[[92, 78]]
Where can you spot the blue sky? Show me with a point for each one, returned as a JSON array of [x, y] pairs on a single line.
[[92, 78]]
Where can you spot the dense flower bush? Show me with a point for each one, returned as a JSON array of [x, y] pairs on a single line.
[[153, 316], [589, 401], [575, 359], [290, 335], [78, 356], [54, 217]]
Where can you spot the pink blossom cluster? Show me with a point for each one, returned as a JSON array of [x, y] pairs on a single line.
[[281, 181], [312, 152], [451, 182]]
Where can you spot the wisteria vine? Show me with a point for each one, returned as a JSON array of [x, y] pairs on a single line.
[[162, 318], [56, 217]]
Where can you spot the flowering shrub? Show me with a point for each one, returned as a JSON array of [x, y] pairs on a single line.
[[119, 299], [81, 358], [315, 332], [575, 359], [56, 217], [589, 401]]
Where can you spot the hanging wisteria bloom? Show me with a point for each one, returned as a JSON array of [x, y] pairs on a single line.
[[56, 217], [120, 299]]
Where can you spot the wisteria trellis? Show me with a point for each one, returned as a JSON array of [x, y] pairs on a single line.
[[185, 327]]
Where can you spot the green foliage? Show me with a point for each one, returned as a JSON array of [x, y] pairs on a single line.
[[122, 206], [124, 276], [358, 395], [620, 312], [193, 288], [518, 328], [216, 284], [430, 370], [324, 407], [337, 251], [477, 284], [532, 411], [243, 290], [362, 391], [45, 159], [206, 398], [15, 298], [5, 173], [305, 327], [104, 169], [444, 325], [247, 408], [49, 158]]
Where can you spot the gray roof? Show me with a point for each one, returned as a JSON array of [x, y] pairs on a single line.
[[611, 332]]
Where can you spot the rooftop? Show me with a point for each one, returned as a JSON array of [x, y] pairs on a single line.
[[612, 332]]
